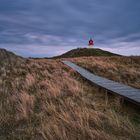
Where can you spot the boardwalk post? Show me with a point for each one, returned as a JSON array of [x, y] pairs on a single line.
[[120, 101], [106, 97]]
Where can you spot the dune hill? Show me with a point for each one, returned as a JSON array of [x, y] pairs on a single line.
[[9, 57], [80, 52], [42, 99]]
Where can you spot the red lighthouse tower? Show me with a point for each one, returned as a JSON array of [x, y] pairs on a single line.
[[91, 43]]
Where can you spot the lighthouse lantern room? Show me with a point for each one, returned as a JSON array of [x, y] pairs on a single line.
[[91, 43]]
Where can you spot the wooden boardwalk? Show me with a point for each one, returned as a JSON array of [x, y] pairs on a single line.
[[129, 93]]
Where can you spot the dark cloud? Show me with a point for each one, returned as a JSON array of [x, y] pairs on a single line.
[[60, 25]]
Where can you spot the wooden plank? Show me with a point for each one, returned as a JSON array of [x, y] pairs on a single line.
[[130, 93]]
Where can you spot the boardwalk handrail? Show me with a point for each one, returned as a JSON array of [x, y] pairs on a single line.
[[129, 93]]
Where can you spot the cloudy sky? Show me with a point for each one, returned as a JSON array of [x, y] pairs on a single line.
[[41, 28]]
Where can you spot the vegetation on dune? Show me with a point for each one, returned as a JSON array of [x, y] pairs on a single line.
[[86, 52], [7, 57], [45, 100], [121, 69]]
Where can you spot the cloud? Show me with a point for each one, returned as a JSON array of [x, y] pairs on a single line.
[[123, 48], [37, 51], [59, 24]]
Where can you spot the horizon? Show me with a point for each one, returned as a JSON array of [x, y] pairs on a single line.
[[49, 57], [50, 28]]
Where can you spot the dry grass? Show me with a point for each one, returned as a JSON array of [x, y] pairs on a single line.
[[121, 69], [45, 100]]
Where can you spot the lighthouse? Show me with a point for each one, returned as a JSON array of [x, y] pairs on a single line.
[[91, 43]]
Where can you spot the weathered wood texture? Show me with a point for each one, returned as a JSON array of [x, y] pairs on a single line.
[[129, 93]]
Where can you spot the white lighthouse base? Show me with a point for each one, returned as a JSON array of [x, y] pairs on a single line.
[[90, 46]]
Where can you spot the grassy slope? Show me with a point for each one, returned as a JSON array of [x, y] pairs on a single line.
[[121, 69], [85, 52], [45, 100], [7, 57]]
